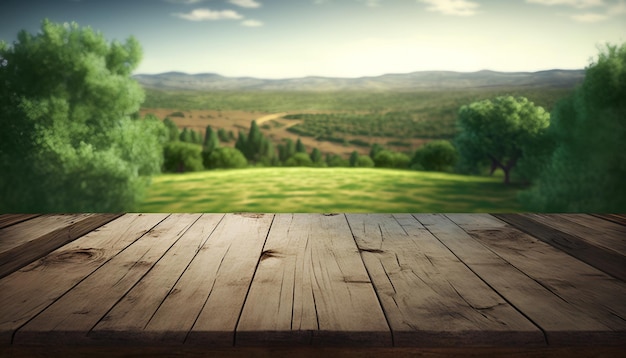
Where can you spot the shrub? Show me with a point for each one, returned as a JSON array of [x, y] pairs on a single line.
[[299, 160], [389, 159], [182, 157], [225, 158], [439, 155]]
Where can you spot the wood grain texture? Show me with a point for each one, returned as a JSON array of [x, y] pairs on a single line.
[[71, 317], [205, 304], [25, 242], [595, 231], [12, 219], [576, 283], [126, 321], [616, 218], [430, 298], [27, 292], [311, 287], [563, 323], [607, 261]]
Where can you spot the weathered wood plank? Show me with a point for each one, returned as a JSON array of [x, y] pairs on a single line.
[[311, 287], [126, 321], [25, 242], [12, 219], [207, 299], [599, 295], [563, 323], [607, 261], [430, 298], [71, 317], [27, 292], [616, 218], [595, 231]]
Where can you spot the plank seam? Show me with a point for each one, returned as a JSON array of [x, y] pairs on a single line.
[[256, 267], [186, 267], [79, 282], [380, 304], [545, 336], [546, 233], [181, 234], [607, 218]]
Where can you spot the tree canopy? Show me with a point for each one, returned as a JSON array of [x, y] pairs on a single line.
[[587, 169], [69, 142], [500, 131]]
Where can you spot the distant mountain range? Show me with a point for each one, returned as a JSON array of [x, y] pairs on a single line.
[[427, 80]]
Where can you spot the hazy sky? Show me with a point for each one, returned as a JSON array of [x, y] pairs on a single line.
[[342, 38]]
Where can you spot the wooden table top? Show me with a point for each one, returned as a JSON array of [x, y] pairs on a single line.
[[362, 280]]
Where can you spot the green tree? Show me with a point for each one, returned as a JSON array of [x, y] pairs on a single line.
[[354, 157], [299, 160], [500, 131], [242, 143], [316, 156], [375, 149], [586, 171], [211, 141], [68, 141], [438, 155], [389, 159], [223, 136], [172, 129], [336, 160], [364, 161], [287, 150], [180, 157], [300, 148], [254, 143], [224, 158]]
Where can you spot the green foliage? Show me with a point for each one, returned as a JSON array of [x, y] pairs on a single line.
[[172, 129], [587, 169], [364, 161], [210, 140], [224, 158], [287, 150], [354, 156], [182, 157], [334, 160], [316, 156], [376, 148], [389, 159], [69, 142], [299, 160], [300, 148], [223, 135], [500, 132], [439, 155]]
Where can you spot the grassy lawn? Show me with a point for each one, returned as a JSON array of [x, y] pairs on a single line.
[[327, 190]]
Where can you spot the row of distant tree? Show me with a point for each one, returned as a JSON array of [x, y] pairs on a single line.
[[188, 150], [71, 140]]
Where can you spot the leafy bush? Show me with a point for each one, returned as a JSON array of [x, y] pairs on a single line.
[[177, 114], [224, 158], [439, 155], [389, 159], [300, 159], [180, 157]]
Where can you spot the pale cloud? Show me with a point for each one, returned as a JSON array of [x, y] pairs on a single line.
[[208, 14], [618, 9], [579, 4], [452, 7], [245, 3], [251, 23]]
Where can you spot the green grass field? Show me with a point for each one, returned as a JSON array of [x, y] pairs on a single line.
[[327, 190]]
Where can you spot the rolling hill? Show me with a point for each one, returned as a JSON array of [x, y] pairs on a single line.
[[424, 80]]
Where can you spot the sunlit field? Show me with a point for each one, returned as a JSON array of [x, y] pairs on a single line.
[[327, 190]]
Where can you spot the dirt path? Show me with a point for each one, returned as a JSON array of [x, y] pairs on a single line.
[[269, 117]]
